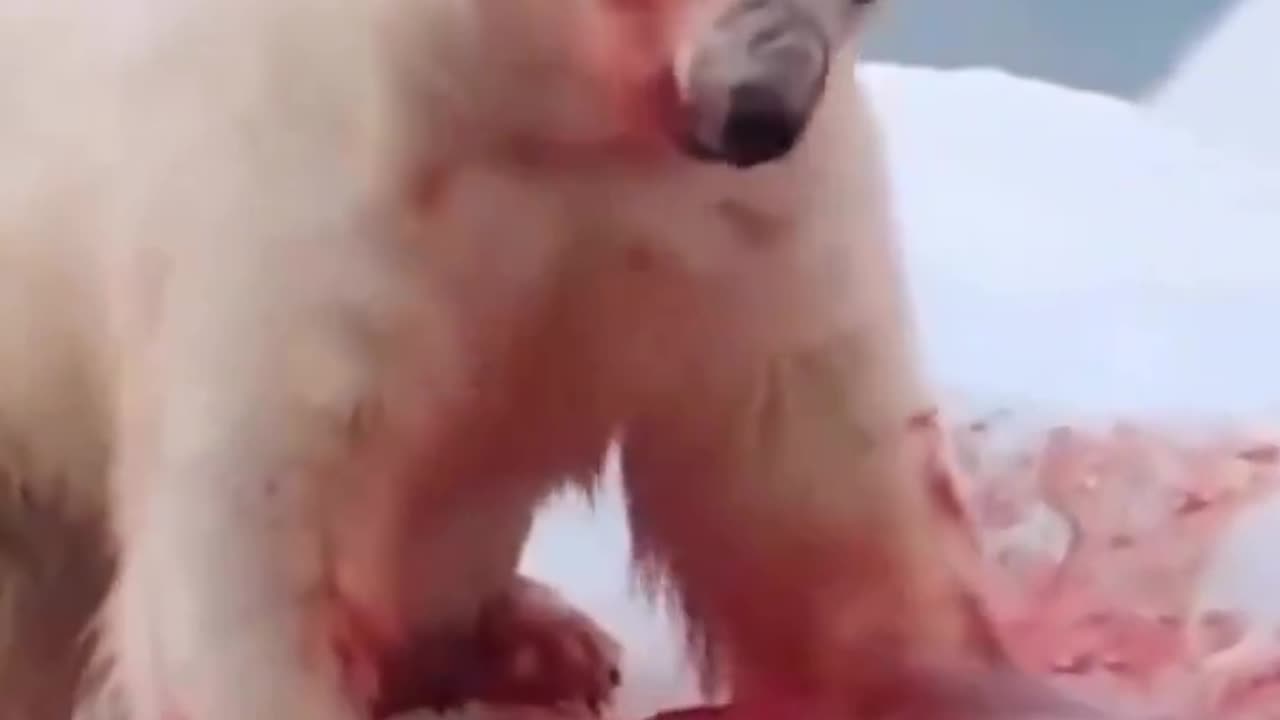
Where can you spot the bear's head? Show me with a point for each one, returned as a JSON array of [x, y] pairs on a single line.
[[724, 81]]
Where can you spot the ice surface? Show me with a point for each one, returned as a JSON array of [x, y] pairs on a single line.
[[1069, 249], [1227, 89]]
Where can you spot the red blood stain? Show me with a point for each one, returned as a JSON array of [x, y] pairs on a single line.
[[1144, 509]]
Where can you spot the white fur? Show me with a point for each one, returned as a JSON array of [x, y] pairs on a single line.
[[305, 391]]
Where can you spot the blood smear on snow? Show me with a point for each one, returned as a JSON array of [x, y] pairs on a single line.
[[1098, 541]]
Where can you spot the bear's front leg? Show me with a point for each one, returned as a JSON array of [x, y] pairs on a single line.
[[223, 607], [782, 480], [790, 507], [253, 376]]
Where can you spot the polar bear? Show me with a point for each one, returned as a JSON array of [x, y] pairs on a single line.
[[312, 302]]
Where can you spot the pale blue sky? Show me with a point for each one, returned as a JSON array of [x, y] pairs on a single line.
[[1115, 46]]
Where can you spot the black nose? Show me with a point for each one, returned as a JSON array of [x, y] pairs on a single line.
[[759, 127]]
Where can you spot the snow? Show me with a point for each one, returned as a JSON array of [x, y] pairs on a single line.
[[1224, 90], [1067, 251]]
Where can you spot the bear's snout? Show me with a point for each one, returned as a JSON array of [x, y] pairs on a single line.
[[759, 126], [752, 83]]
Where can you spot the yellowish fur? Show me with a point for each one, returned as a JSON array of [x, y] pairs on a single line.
[[226, 325]]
